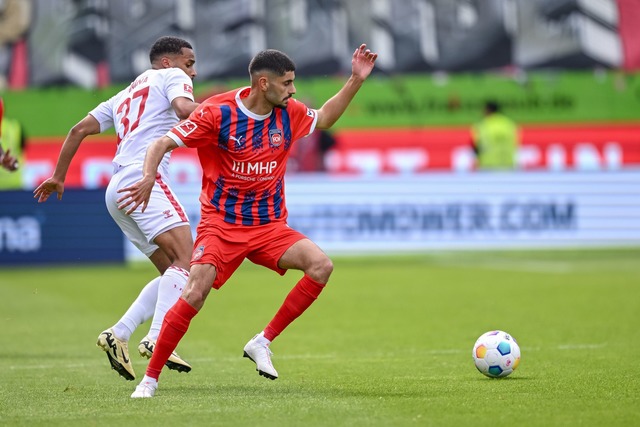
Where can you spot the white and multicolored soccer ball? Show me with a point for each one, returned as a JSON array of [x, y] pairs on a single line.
[[496, 354]]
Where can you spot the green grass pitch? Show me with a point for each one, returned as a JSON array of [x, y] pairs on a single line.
[[388, 343]]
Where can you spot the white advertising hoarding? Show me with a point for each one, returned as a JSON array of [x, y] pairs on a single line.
[[468, 211], [481, 210]]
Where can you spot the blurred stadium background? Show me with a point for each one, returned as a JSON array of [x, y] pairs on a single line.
[[400, 173]]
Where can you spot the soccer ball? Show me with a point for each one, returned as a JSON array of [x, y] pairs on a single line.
[[496, 354]]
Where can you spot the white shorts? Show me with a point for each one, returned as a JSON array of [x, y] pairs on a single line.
[[163, 212]]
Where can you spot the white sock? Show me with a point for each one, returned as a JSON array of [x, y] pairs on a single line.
[[261, 339], [171, 286], [140, 311], [150, 381]]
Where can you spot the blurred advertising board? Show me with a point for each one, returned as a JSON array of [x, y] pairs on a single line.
[[382, 151], [76, 230], [450, 211], [457, 211]]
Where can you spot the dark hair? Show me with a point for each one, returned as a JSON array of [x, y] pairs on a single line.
[[271, 60], [167, 45], [492, 106]]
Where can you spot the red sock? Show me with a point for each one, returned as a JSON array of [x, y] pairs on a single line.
[[303, 294], [174, 326]]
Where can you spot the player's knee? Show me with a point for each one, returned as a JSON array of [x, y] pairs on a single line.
[[327, 267], [321, 269], [196, 295], [180, 257], [183, 262], [177, 245]]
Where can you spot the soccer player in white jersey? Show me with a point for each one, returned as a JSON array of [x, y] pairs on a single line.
[[142, 112]]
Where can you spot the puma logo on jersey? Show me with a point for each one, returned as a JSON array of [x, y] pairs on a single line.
[[239, 142]]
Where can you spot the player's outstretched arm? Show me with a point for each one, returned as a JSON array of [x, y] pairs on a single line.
[[362, 63], [87, 126], [140, 192]]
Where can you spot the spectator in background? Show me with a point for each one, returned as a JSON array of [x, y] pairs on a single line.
[[12, 144], [308, 153], [15, 18], [495, 139]]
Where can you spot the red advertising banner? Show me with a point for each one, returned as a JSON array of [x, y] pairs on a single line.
[[396, 151], [566, 147], [91, 166]]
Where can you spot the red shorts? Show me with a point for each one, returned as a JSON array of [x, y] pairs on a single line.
[[225, 246]]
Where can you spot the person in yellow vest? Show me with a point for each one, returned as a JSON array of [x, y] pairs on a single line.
[[11, 150], [495, 139]]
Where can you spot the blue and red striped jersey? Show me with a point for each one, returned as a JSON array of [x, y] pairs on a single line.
[[243, 155]]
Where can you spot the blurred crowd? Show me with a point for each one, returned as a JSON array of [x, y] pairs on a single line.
[[94, 43]]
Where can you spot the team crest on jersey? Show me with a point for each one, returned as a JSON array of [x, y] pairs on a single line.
[[186, 127], [197, 253], [275, 137], [188, 88]]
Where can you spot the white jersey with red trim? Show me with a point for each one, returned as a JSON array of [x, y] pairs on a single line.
[[142, 113]]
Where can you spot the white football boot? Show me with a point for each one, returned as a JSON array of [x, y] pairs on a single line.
[[147, 388], [257, 350]]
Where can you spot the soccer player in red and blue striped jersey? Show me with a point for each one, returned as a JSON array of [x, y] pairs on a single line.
[[243, 139], [244, 155]]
